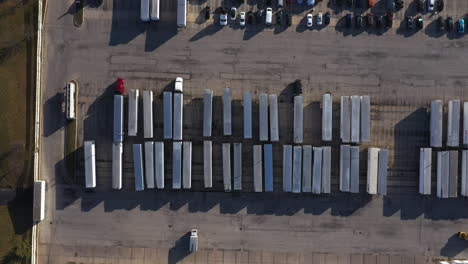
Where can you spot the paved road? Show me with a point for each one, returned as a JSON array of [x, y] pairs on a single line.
[[402, 74]]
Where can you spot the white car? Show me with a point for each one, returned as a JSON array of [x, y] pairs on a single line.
[[179, 83], [310, 20], [223, 19], [310, 2], [319, 19], [268, 16], [233, 13], [242, 19], [430, 5]]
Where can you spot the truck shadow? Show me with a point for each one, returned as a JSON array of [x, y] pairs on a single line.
[[180, 249]]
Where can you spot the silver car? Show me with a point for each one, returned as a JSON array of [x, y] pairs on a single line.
[[319, 19]]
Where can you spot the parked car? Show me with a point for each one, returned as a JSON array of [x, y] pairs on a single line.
[[449, 23], [419, 22], [223, 19], [232, 13], [327, 18], [379, 21], [310, 2], [370, 19], [350, 3], [430, 5], [268, 16], [207, 12], [279, 14], [242, 19], [250, 17], [399, 4], [440, 5], [440, 24], [319, 19], [288, 19], [310, 20], [389, 20], [359, 21], [299, 2], [420, 5], [409, 23], [370, 3], [358, 4], [391, 5], [259, 15], [349, 20], [461, 25]]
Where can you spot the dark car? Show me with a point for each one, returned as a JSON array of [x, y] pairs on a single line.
[[327, 18], [349, 20], [379, 21], [268, 2], [350, 3], [419, 22], [440, 5], [420, 5], [259, 15], [207, 12], [398, 4], [250, 17], [370, 19], [440, 24], [409, 23], [288, 19], [358, 4], [278, 17], [359, 21], [339, 2], [389, 20], [391, 5], [449, 24]]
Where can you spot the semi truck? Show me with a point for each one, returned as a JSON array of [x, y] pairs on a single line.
[[144, 10]]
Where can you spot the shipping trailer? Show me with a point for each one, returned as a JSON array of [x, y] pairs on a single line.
[[133, 112], [354, 170], [70, 100], [297, 169], [464, 173], [355, 118], [159, 164], [178, 116], [365, 118], [167, 111], [345, 119], [326, 169], [317, 171], [145, 10], [274, 129], [298, 119], [207, 112], [372, 170], [181, 13], [117, 151], [155, 10], [187, 165], [327, 106], [307, 168], [268, 163], [138, 167], [227, 112], [425, 170], [207, 163], [257, 168], [465, 124], [149, 164], [176, 165], [453, 124], [118, 118], [226, 147], [39, 200], [345, 164], [287, 168], [436, 123], [382, 172], [237, 149], [453, 173], [90, 164], [263, 117], [247, 115], [148, 114], [443, 163]]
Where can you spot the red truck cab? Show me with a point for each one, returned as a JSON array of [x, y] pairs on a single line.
[[120, 86]]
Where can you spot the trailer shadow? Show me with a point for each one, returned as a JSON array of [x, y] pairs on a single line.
[[53, 114], [453, 247]]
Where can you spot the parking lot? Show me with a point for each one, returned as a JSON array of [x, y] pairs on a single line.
[[401, 71]]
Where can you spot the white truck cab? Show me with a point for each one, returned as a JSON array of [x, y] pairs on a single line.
[[193, 247], [179, 85]]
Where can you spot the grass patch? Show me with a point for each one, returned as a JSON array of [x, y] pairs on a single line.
[[79, 13]]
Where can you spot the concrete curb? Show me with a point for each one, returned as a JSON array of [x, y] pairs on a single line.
[[37, 119]]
